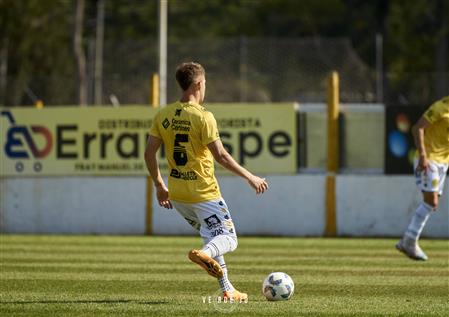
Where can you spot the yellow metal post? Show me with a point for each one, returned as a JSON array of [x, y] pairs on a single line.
[[154, 102], [154, 92], [39, 104], [332, 154]]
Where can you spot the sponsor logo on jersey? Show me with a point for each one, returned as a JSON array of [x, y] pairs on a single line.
[[165, 123], [187, 176], [180, 125]]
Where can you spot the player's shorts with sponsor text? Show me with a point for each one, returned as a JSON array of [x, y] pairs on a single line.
[[431, 180], [211, 218]]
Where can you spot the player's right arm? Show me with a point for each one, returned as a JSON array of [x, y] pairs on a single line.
[[418, 137], [152, 165], [227, 161]]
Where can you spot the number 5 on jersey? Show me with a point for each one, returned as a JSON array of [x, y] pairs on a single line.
[[179, 151]]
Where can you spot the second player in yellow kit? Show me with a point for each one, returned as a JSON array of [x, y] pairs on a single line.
[[431, 134]]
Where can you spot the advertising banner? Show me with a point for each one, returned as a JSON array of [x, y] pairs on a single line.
[[59, 141]]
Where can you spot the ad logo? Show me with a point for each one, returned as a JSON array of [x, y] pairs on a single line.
[[21, 140]]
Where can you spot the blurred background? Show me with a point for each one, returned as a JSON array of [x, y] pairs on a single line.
[[386, 51]]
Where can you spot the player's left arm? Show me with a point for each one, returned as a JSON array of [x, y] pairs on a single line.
[[153, 145], [225, 159], [211, 138]]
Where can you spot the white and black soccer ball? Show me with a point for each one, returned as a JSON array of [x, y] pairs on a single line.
[[278, 286]]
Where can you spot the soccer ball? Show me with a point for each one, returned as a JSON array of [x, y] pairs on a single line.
[[278, 286]]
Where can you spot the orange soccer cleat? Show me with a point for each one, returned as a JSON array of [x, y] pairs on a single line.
[[236, 296], [206, 262]]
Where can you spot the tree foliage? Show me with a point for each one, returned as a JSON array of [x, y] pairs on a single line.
[[37, 35]]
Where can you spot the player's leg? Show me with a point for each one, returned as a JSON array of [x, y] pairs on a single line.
[[219, 245], [422, 214], [218, 233], [187, 211], [220, 237], [409, 242], [431, 185], [224, 282], [226, 286], [217, 228]]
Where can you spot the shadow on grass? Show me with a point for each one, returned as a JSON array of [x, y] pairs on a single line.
[[104, 301]]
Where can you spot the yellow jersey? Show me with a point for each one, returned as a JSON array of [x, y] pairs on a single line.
[[436, 135], [186, 129]]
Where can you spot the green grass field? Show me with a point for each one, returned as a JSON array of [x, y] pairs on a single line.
[[151, 276]]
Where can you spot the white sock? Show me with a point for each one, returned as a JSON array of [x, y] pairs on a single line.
[[418, 221], [224, 282], [220, 245]]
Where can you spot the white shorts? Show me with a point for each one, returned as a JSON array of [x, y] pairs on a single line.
[[433, 179], [211, 218]]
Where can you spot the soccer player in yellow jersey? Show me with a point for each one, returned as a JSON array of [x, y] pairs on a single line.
[[431, 135], [192, 142]]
